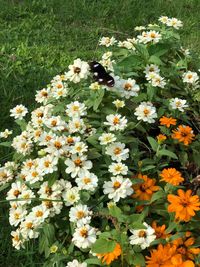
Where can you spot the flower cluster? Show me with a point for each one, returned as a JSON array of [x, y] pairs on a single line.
[[108, 175]]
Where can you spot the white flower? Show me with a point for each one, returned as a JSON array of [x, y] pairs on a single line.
[[139, 28], [71, 196], [119, 103], [87, 181], [75, 263], [150, 36], [55, 123], [151, 68], [17, 215], [107, 138], [79, 70], [118, 188], [56, 145], [28, 228], [80, 214], [43, 95], [107, 41], [77, 165], [19, 112], [117, 151], [118, 168], [116, 122], [5, 175], [158, 81], [84, 236], [127, 88], [48, 164], [79, 148], [5, 133], [146, 112], [173, 22], [143, 237], [128, 44], [39, 214], [163, 19], [177, 103], [17, 240], [95, 86], [76, 125], [76, 109], [190, 77]]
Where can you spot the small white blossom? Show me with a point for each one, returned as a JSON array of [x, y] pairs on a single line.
[[177, 103], [146, 112], [18, 112]]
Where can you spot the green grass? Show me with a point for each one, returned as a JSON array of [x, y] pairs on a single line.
[[38, 39]]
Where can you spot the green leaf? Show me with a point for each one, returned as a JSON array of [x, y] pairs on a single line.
[[4, 186], [165, 152], [146, 168], [6, 144], [103, 245], [155, 60], [94, 261], [158, 195], [93, 154], [115, 212], [51, 178], [98, 99], [153, 143], [22, 123], [138, 259]]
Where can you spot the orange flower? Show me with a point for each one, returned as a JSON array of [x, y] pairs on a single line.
[[184, 205], [110, 256], [161, 257], [167, 121], [183, 134], [161, 138], [145, 190], [160, 230], [166, 256], [177, 261], [184, 247], [171, 176]]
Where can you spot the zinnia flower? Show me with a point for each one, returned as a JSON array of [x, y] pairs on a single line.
[[110, 256], [160, 230], [183, 134], [184, 247], [184, 205], [161, 256], [161, 138], [144, 190], [171, 176], [167, 121]]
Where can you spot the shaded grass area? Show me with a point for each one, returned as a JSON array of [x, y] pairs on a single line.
[[38, 39]]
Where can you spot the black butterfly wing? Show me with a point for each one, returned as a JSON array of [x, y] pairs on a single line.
[[100, 74]]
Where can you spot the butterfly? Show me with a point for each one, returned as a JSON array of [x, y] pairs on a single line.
[[100, 74]]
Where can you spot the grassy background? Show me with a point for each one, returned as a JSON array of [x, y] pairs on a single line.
[[38, 39]]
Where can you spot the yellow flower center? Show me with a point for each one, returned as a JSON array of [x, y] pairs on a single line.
[[80, 214], [116, 184], [84, 233], [39, 213], [117, 151], [142, 233]]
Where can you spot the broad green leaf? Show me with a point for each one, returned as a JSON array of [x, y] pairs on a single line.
[[115, 212], [139, 259], [93, 261], [153, 143], [6, 144], [158, 195], [165, 152], [103, 245]]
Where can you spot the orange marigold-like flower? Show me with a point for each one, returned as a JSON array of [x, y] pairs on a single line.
[[145, 190], [167, 256], [161, 138], [183, 134], [184, 205], [161, 256], [184, 247], [110, 256], [171, 176], [167, 121], [178, 261], [160, 230]]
